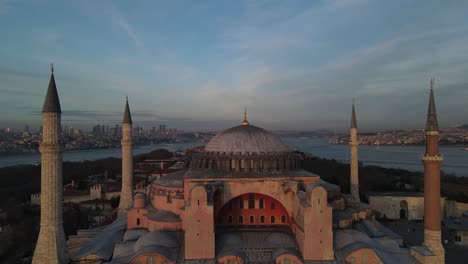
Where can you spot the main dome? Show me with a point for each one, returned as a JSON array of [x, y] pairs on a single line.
[[246, 139]]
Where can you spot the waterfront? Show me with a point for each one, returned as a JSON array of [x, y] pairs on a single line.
[[403, 157]]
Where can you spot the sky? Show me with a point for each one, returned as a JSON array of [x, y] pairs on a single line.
[[195, 65]]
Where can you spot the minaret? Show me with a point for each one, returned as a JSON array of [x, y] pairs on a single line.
[[353, 143], [126, 195], [432, 161], [50, 246]]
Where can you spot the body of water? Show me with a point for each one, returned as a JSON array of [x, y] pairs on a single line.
[[92, 154], [399, 157]]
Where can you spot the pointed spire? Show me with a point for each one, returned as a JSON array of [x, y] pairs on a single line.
[[245, 122], [431, 124], [52, 102], [127, 116], [353, 117]]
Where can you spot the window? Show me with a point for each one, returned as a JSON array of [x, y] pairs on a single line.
[[220, 219], [252, 219], [272, 219], [241, 203], [272, 206], [233, 164], [283, 219], [150, 260], [138, 221], [169, 199], [458, 238], [230, 206], [365, 258], [230, 219], [260, 203], [241, 219], [251, 201], [262, 219]]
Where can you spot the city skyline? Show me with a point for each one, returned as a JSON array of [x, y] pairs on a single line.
[[295, 66]]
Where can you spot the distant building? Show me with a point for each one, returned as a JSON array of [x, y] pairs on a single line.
[[401, 205], [458, 227]]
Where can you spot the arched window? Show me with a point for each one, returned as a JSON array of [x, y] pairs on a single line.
[[138, 221], [251, 201], [260, 203], [230, 219], [272, 205], [262, 219], [230, 206], [252, 219], [241, 203], [283, 219], [241, 219], [272, 219], [169, 199]]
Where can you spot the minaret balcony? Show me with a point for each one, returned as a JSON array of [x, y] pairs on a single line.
[[432, 158]]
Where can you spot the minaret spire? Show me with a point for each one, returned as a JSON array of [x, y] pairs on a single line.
[[353, 117], [52, 102], [354, 165], [50, 246], [126, 195], [431, 123], [127, 119]]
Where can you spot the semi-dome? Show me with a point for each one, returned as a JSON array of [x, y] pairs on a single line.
[[246, 139]]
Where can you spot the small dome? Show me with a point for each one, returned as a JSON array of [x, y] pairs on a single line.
[[139, 195], [157, 238], [173, 180], [246, 139]]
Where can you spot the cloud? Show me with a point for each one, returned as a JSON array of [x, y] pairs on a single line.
[[120, 20]]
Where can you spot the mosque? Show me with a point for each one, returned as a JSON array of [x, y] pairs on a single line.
[[244, 198]]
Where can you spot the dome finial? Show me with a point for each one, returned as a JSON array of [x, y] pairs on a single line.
[[245, 122]]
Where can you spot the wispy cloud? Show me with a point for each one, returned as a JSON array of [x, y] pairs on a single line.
[[120, 20]]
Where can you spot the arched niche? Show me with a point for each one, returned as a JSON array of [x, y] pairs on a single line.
[[252, 209]]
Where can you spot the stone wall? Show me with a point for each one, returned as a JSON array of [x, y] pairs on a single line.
[[390, 206]]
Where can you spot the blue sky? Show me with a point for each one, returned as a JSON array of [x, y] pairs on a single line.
[[196, 64]]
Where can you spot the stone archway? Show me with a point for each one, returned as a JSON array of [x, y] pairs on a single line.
[[404, 210]]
